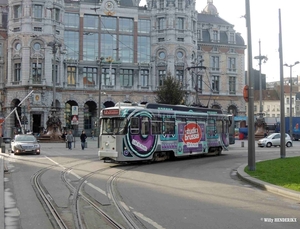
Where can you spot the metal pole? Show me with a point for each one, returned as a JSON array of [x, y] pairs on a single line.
[[260, 87], [282, 111], [54, 77], [99, 98], [291, 104], [291, 113], [251, 142], [260, 58]]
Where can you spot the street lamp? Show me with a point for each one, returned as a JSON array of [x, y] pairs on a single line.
[[291, 113], [54, 45], [99, 96], [260, 58]]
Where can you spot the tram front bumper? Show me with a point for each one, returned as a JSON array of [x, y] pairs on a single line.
[[105, 154]]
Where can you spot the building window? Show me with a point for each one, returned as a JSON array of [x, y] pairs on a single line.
[[90, 22], [36, 72], [144, 49], [288, 100], [180, 24], [161, 77], [197, 83], [109, 46], [179, 54], [215, 35], [108, 76], [255, 108], [71, 20], [109, 23], [161, 23], [71, 75], [144, 26], [161, 55], [232, 85], [90, 76], [161, 4], [180, 76], [214, 63], [126, 48], [126, 77], [18, 46], [231, 38], [126, 25], [37, 11], [72, 42], [17, 11], [144, 77], [180, 5], [17, 75], [231, 64], [215, 84], [55, 14], [90, 46]]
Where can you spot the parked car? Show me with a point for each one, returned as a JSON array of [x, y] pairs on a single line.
[[25, 143], [274, 140]]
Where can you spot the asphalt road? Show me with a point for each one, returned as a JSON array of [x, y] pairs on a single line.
[[193, 193]]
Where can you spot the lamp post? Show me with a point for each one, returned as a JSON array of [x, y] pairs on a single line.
[[54, 45], [99, 96], [260, 58], [291, 87]]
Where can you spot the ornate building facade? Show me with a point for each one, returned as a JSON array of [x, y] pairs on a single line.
[[94, 53]]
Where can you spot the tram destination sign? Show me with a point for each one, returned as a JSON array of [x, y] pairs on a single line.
[[111, 112]]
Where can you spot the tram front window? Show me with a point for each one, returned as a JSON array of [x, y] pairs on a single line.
[[113, 126]]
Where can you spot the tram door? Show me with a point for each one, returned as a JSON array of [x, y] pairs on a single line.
[[36, 118]]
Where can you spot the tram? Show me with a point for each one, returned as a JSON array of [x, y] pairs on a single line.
[[157, 132]]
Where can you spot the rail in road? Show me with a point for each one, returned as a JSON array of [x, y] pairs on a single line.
[[80, 198]]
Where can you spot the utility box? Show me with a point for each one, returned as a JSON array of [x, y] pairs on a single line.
[[5, 145]]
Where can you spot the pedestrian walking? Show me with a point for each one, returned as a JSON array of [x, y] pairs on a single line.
[[70, 139], [92, 133], [83, 139]]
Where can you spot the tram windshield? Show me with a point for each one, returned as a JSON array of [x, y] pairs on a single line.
[[113, 126]]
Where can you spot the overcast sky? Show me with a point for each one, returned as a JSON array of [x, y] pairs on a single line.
[[265, 27]]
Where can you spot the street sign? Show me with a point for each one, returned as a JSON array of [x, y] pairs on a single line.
[[74, 110], [74, 120]]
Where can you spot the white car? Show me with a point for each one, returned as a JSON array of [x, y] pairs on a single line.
[[274, 140], [25, 143]]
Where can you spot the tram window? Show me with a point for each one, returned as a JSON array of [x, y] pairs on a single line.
[[169, 126], [219, 126], [145, 126], [156, 125], [135, 125]]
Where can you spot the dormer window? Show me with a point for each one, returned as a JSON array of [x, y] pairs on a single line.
[[215, 36]]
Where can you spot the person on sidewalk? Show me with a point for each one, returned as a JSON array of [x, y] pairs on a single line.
[[83, 139], [70, 139], [92, 133]]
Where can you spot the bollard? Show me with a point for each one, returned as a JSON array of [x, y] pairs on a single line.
[[242, 144]]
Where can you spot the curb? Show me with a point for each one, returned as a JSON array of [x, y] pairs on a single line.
[[267, 186], [2, 192]]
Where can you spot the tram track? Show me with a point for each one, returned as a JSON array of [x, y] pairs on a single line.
[[78, 198]]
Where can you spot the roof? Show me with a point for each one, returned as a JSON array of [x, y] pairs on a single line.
[[212, 19], [266, 95]]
